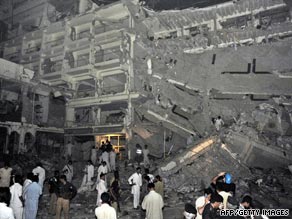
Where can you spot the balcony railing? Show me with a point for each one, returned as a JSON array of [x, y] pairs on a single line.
[[113, 89], [102, 56], [84, 34], [54, 43], [32, 49], [82, 62], [85, 93], [54, 67]]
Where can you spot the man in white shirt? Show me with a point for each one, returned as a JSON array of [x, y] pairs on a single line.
[[16, 193], [41, 173], [153, 203], [151, 177], [135, 181], [87, 181], [101, 169], [202, 201], [112, 158], [31, 196], [101, 188], [105, 157], [5, 212], [105, 211], [68, 171], [218, 123], [225, 195], [27, 181], [5, 174]]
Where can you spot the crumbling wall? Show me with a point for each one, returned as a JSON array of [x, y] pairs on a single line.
[[194, 65], [56, 114]]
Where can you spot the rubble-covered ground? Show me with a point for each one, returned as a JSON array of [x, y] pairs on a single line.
[[270, 188]]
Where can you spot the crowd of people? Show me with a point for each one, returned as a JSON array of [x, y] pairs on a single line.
[[23, 195]]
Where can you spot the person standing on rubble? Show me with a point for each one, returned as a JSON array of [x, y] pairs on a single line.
[[218, 123], [225, 195], [153, 203], [190, 211], [87, 181], [139, 154], [146, 156], [53, 189], [66, 192], [109, 146], [5, 174], [151, 177], [202, 201], [115, 191], [105, 158], [220, 178], [105, 211], [210, 210], [135, 181], [102, 146], [101, 188], [68, 171], [159, 187], [112, 158], [16, 197], [31, 197], [101, 169], [41, 173], [27, 181]]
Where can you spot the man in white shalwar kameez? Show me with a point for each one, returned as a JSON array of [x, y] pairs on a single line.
[[15, 202], [27, 181], [105, 157], [101, 169], [87, 182], [41, 173], [153, 204], [112, 158], [101, 188], [135, 181], [68, 171]]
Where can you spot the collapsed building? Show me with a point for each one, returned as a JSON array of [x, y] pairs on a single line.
[[127, 73]]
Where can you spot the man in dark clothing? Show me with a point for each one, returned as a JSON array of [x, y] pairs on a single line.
[[53, 189], [210, 210], [115, 191], [66, 192], [109, 146], [103, 146], [245, 204]]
